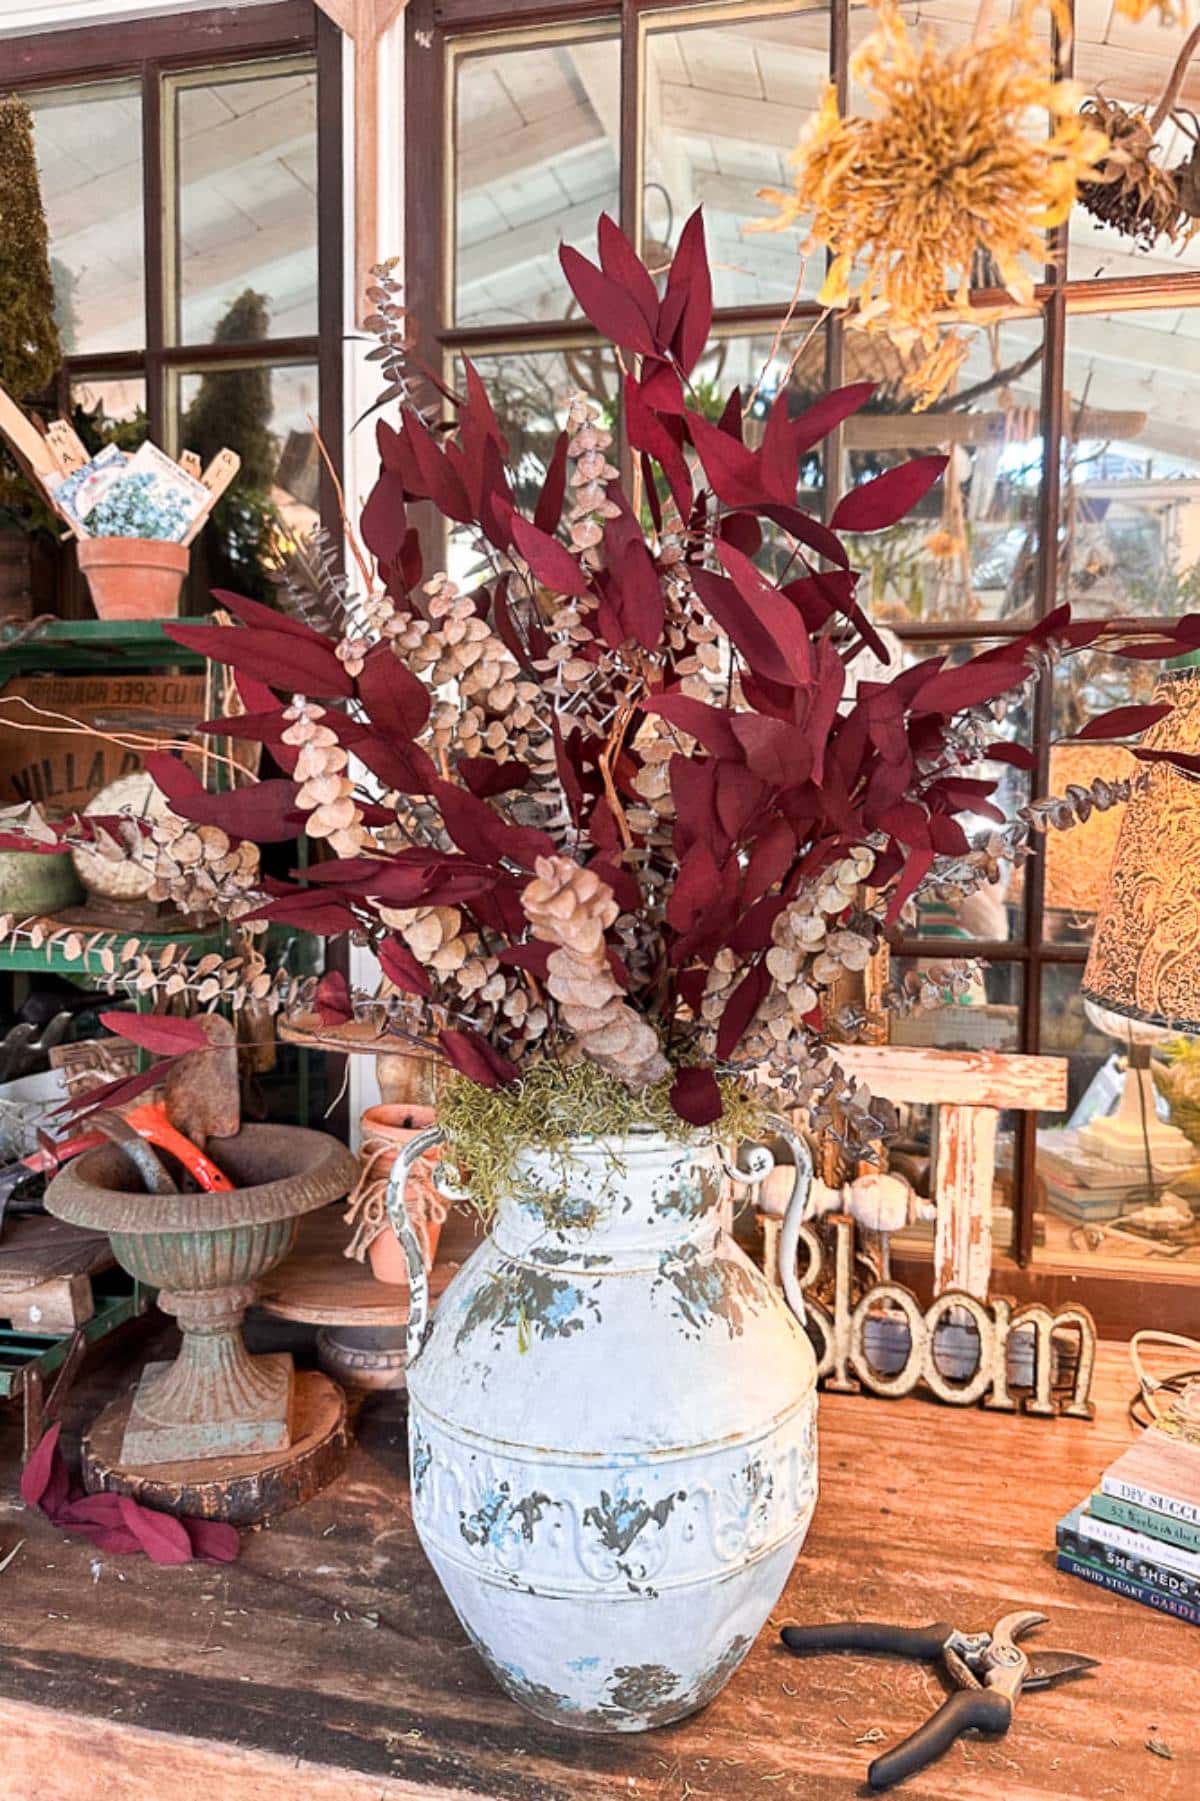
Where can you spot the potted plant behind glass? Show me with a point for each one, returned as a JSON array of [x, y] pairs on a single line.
[[613, 822]]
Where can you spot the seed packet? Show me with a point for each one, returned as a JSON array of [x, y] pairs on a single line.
[[143, 496], [151, 498], [76, 494]]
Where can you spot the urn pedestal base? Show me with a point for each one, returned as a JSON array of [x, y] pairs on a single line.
[[261, 1424], [242, 1490]]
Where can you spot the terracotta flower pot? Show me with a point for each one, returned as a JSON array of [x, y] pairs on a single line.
[[387, 1129], [133, 578]]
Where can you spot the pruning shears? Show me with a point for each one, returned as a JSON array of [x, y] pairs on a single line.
[[989, 1669]]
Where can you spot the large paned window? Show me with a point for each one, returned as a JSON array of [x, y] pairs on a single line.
[[190, 172], [1074, 469]]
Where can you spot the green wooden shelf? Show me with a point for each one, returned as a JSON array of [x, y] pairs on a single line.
[[91, 645]]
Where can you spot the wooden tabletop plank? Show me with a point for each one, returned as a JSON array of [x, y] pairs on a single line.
[[327, 1654]]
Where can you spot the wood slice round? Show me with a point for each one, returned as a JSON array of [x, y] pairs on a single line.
[[318, 1285], [242, 1490]]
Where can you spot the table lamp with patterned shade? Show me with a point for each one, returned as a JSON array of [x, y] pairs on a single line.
[[1142, 979]]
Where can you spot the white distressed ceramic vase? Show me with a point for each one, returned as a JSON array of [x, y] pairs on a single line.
[[612, 1430]]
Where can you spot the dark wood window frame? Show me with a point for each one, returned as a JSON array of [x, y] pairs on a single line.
[[1121, 1299], [147, 50]]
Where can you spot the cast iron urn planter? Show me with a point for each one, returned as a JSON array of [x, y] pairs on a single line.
[[205, 1253]]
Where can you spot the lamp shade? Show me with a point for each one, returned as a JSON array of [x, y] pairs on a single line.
[[1144, 962], [1077, 862]]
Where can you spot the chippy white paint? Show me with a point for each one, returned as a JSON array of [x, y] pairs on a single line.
[[612, 1429]]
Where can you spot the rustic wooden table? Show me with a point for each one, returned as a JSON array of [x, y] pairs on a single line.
[[325, 1663]]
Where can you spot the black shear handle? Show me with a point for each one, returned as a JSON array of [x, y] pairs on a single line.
[[926, 1642], [981, 1708]]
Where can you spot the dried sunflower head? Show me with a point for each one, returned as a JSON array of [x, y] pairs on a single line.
[[1130, 192], [948, 166]]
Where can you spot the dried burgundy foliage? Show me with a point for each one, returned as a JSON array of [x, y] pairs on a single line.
[[116, 1522], [650, 707]]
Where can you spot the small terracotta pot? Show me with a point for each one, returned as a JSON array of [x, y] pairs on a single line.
[[133, 578], [397, 1123]]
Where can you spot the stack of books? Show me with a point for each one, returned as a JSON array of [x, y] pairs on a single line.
[[1088, 1190], [1139, 1533]]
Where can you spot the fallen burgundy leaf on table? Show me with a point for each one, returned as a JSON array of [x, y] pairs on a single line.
[[117, 1523]]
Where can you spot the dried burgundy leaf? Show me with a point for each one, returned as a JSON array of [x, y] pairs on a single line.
[[164, 1539], [332, 1000], [741, 1007], [612, 310], [648, 433], [641, 601], [473, 1057], [621, 263], [161, 1033], [818, 420], [696, 1097], [711, 726], [777, 457], [485, 777], [278, 658], [781, 625], [265, 812], [403, 969], [880, 503], [253, 612], [397, 701], [534, 956], [1123, 722], [732, 470], [213, 1541], [551, 562], [38, 1476], [441, 482], [383, 521], [115, 1093], [690, 275], [548, 511]]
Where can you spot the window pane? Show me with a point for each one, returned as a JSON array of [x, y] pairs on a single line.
[[969, 549], [89, 149], [110, 411], [245, 162], [1131, 463], [724, 106], [536, 155], [263, 414], [1131, 63], [531, 391]]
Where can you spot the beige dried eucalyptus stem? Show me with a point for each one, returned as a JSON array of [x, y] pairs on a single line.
[[572, 908]]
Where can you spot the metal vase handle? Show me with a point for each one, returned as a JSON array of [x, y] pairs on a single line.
[[761, 1163], [410, 1238]]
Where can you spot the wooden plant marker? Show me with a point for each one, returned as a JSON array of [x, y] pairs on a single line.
[[216, 479], [970, 1089], [36, 454], [68, 446], [190, 463]]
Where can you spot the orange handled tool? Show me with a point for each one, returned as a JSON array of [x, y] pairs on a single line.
[[149, 1121]]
